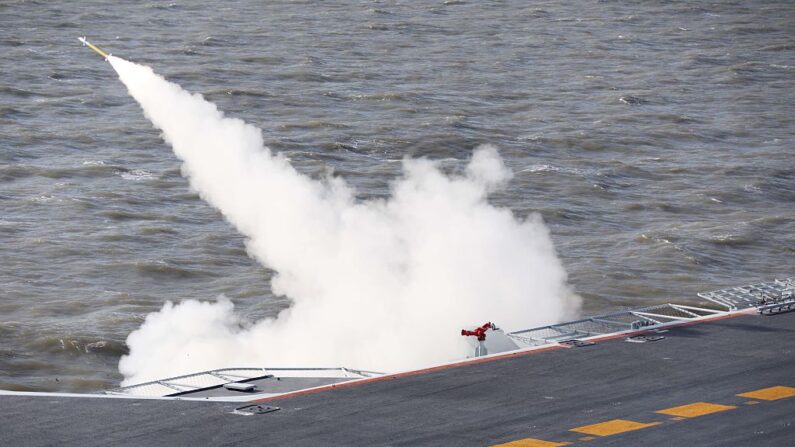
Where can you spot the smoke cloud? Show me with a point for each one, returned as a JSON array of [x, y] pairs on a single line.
[[383, 285]]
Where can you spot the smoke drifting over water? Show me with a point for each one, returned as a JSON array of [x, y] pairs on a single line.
[[381, 284]]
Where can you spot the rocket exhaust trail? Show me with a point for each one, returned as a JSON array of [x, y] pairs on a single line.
[[381, 285]]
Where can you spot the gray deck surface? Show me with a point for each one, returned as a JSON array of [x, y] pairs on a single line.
[[540, 396]]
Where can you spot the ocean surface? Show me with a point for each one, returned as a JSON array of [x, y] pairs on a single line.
[[656, 139]]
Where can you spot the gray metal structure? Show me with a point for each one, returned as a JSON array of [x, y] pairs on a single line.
[[542, 394], [715, 379], [651, 317], [266, 381], [752, 295], [777, 295]]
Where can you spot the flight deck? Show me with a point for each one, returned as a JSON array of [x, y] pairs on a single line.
[[728, 379]]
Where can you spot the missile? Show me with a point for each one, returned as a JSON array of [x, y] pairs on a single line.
[[88, 44]]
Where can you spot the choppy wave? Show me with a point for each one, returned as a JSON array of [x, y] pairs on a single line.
[[661, 161]]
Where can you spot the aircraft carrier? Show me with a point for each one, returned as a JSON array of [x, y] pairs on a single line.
[[717, 374], [665, 375]]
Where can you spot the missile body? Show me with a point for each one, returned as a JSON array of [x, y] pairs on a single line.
[[88, 44]]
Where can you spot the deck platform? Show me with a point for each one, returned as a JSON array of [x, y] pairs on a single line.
[[726, 381]]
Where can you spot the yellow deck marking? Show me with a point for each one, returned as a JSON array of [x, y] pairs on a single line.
[[530, 442], [679, 413], [695, 410], [772, 393], [611, 427]]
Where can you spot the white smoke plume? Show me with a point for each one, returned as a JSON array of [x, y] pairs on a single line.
[[384, 285]]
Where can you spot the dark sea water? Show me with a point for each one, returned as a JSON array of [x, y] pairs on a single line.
[[656, 139]]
